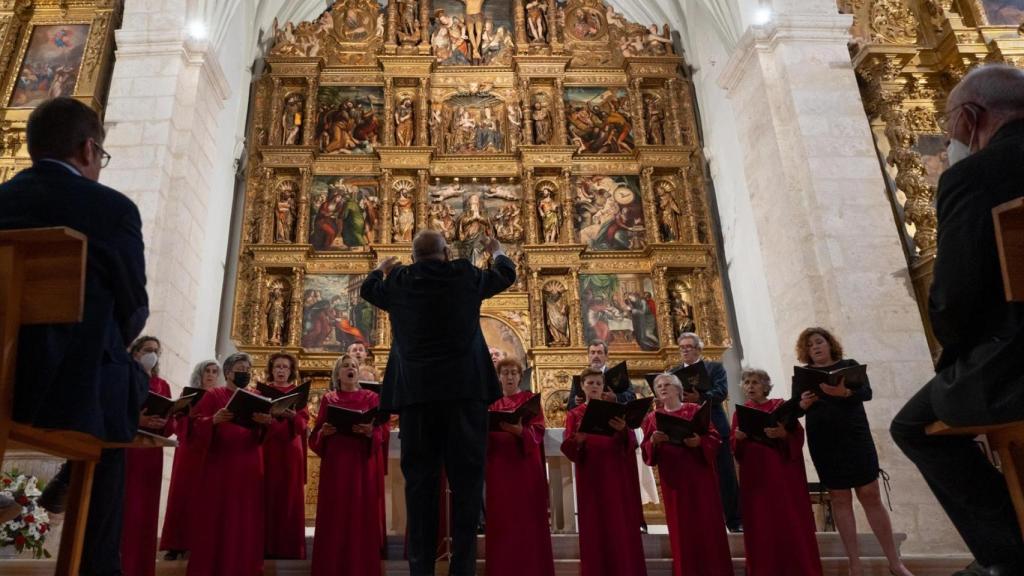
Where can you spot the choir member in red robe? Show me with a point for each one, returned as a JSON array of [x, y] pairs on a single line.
[[518, 535], [144, 468], [607, 498], [226, 530], [347, 539], [185, 471], [689, 484], [777, 518], [284, 468]]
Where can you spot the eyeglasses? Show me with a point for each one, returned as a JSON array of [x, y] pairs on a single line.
[[104, 156], [687, 347]]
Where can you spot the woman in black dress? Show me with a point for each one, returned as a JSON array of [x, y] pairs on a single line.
[[843, 451]]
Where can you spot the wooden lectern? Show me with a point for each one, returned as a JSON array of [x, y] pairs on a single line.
[[42, 281], [1007, 440]]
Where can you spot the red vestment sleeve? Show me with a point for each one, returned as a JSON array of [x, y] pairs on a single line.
[[572, 449]]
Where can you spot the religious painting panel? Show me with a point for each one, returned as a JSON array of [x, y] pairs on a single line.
[[586, 23], [51, 64], [1004, 12], [473, 122], [344, 212], [349, 119], [467, 213], [608, 212], [598, 120], [932, 148], [500, 335], [334, 315], [472, 32], [619, 309]]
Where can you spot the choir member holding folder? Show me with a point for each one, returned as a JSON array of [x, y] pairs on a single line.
[[284, 464], [185, 471], [841, 446], [226, 535], [608, 491], [689, 483], [778, 520], [518, 535], [348, 436], [144, 470]]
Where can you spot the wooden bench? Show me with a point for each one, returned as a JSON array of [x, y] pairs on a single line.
[[42, 281], [1007, 440]]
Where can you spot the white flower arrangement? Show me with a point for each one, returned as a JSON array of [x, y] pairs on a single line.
[[29, 529]]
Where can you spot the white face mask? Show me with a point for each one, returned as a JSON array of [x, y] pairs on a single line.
[[148, 360], [957, 151]]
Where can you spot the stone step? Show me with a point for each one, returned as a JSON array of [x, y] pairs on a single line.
[[874, 566]]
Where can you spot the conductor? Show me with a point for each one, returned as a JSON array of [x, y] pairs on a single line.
[[440, 379]]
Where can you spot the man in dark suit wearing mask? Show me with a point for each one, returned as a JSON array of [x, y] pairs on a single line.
[[80, 376], [980, 375], [440, 380]]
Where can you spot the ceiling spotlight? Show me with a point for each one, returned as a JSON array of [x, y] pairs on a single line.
[[762, 16], [197, 30]]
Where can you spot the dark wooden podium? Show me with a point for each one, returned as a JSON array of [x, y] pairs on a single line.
[[1007, 440], [42, 281]]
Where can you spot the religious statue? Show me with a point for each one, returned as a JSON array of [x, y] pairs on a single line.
[[537, 21], [442, 219], [508, 223], [654, 114], [550, 213], [275, 314], [291, 119], [515, 123], [475, 27], [284, 213], [471, 231], [682, 310], [405, 122], [436, 128], [408, 23], [668, 211], [403, 216], [541, 120], [556, 314]]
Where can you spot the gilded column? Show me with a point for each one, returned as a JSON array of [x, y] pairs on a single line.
[[389, 111], [673, 102], [650, 212], [554, 37], [665, 332], [267, 212], [421, 200], [422, 127], [425, 26], [560, 135], [275, 112], [387, 203], [691, 218], [391, 45], [256, 338], [532, 237], [302, 226], [575, 312], [309, 124], [295, 309], [524, 95], [568, 234], [638, 110], [537, 310], [522, 44]]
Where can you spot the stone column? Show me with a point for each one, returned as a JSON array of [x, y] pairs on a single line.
[[421, 200], [530, 195], [295, 307], [568, 232], [389, 111], [831, 254], [650, 206], [387, 201], [302, 225]]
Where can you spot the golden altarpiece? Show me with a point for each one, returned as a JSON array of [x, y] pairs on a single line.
[[562, 129], [50, 48]]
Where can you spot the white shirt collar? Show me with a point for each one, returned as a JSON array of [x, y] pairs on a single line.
[[71, 168]]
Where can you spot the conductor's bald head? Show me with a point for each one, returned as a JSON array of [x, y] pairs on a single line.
[[429, 245]]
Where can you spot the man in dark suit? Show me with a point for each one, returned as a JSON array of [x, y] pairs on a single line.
[[980, 374], [597, 358], [691, 350], [440, 379], [80, 376]]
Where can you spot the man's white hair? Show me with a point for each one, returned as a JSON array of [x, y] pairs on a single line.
[[999, 88]]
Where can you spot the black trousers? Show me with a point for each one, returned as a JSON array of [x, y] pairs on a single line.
[[452, 435], [101, 547], [728, 486], [970, 490]]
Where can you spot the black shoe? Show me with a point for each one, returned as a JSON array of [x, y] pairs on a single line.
[[975, 569], [173, 555], [735, 529], [54, 498]]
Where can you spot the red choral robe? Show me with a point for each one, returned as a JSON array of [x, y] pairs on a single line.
[[778, 521], [188, 465], [226, 528], [693, 507], [144, 468], [284, 462], [347, 540], [607, 497], [518, 534]]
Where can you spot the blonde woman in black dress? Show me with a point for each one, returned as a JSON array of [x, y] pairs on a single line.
[[843, 451]]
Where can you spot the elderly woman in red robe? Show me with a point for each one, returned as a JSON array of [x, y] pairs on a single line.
[[689, 484], [777, 518], [227, 530], [284, 465], [348, 520], [608, 499], [144, 467], [518, 535], [185, 471]]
